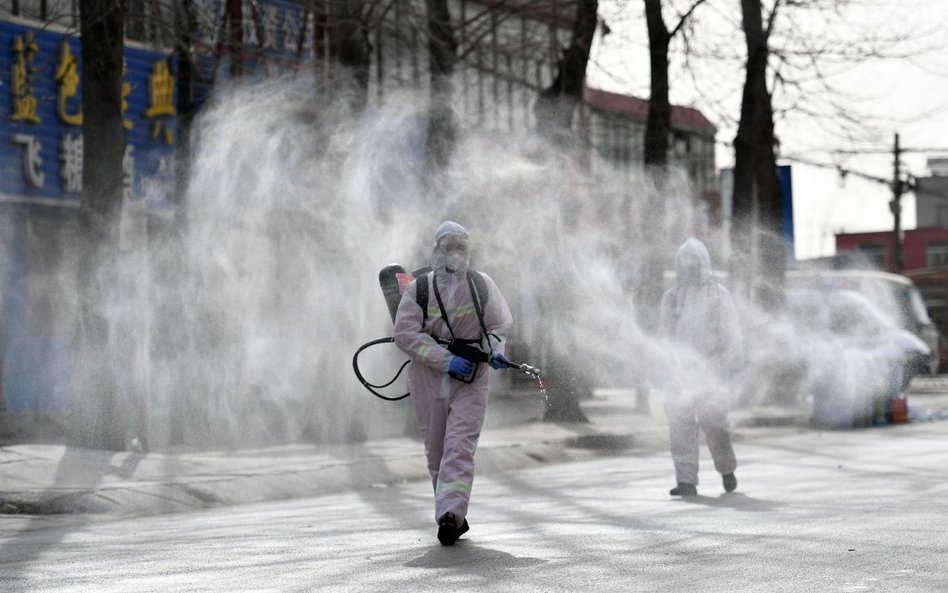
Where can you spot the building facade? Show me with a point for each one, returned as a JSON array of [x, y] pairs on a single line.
[[921, 248], [925, 247]]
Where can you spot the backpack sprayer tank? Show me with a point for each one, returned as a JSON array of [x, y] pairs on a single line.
[[388, 280], [393, 279]]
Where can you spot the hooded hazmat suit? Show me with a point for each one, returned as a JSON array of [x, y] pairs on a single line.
[[698, 316], [450, 413]]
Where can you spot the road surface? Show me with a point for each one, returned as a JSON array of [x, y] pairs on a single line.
[[815, 511]]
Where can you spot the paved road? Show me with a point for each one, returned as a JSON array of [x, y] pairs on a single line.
[[815, 511]]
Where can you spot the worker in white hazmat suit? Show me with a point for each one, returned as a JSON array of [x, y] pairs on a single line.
[[699, 318], [449, 410]]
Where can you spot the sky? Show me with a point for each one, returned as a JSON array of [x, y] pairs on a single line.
[[904, 92]]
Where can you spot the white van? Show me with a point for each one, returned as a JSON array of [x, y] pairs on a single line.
[[895, 295]]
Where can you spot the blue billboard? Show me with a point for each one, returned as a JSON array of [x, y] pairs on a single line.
[[41, 117], [41, 184]]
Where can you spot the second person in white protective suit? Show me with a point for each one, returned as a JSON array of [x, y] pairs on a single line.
[[698, 317], [449, 409]]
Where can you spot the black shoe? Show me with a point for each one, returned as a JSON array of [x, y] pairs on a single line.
[[730, 482], [684, 489], [448, 530]]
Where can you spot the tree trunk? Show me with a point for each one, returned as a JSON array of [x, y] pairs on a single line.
[[100, 406], [556, 105], [234, 17], [554, 112], [657, 131], [442, 56], [177, 407], [772, 243], [349, 51], [757, 196], [658, 124], [186, 24]]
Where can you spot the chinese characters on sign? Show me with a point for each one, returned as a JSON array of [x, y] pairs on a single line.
[[67, 76], [161, 93], [42, 118], [32, 161], [21, 85], [70, 157]]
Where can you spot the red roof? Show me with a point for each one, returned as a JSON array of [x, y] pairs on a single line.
[[559, 13], [681, 117]]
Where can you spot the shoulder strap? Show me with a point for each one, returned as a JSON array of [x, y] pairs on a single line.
[[421, 296], [444, 313], [479, 294], [480, 298]]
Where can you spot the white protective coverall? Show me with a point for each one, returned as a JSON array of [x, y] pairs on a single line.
[[699, 317], [450, 413]]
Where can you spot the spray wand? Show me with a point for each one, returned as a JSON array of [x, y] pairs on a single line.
[[535, 372], [525, 368]]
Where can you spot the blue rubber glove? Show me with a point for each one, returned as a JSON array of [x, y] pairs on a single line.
[[460, 366], [499, 361]]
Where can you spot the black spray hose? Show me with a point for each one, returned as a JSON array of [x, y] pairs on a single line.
[[533, 371], [370, 386]]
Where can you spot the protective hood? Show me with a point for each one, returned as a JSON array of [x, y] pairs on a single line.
[[449, 228], [441, 260], [693, 250]]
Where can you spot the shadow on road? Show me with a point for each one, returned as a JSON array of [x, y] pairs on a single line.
[[464, 556], [736, 501], [17, 550]]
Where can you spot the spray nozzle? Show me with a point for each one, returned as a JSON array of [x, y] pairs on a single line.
[[523, 367]]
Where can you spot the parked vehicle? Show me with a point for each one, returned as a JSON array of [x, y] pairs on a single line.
[[893, 294], [857, 357]]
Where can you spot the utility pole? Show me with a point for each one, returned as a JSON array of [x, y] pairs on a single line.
[[896, 206], [898, 185]]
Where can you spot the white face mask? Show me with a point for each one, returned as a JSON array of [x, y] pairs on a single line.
[[454, 262]]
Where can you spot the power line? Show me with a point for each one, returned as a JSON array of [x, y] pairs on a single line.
[[886, 150], [900, 183], [843, 171]]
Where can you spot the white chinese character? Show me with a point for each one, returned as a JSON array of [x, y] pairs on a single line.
[[32, 161], [128, 172], [291, 31], [271, 24], [70, 163], [251, 41]]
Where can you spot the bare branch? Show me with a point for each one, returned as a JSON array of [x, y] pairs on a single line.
[[685, 17]]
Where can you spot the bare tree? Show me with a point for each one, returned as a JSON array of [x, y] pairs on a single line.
[[349, 50], [756, 185], [557, 103], [658, 124], [789, 75], [99, 401], [442, 57], [656, 143], [554, 111], [186, 27]]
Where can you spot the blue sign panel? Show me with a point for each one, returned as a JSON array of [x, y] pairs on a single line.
[[41, 116], [277, 36], [784, 174], [281, 30], [40, 170]]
